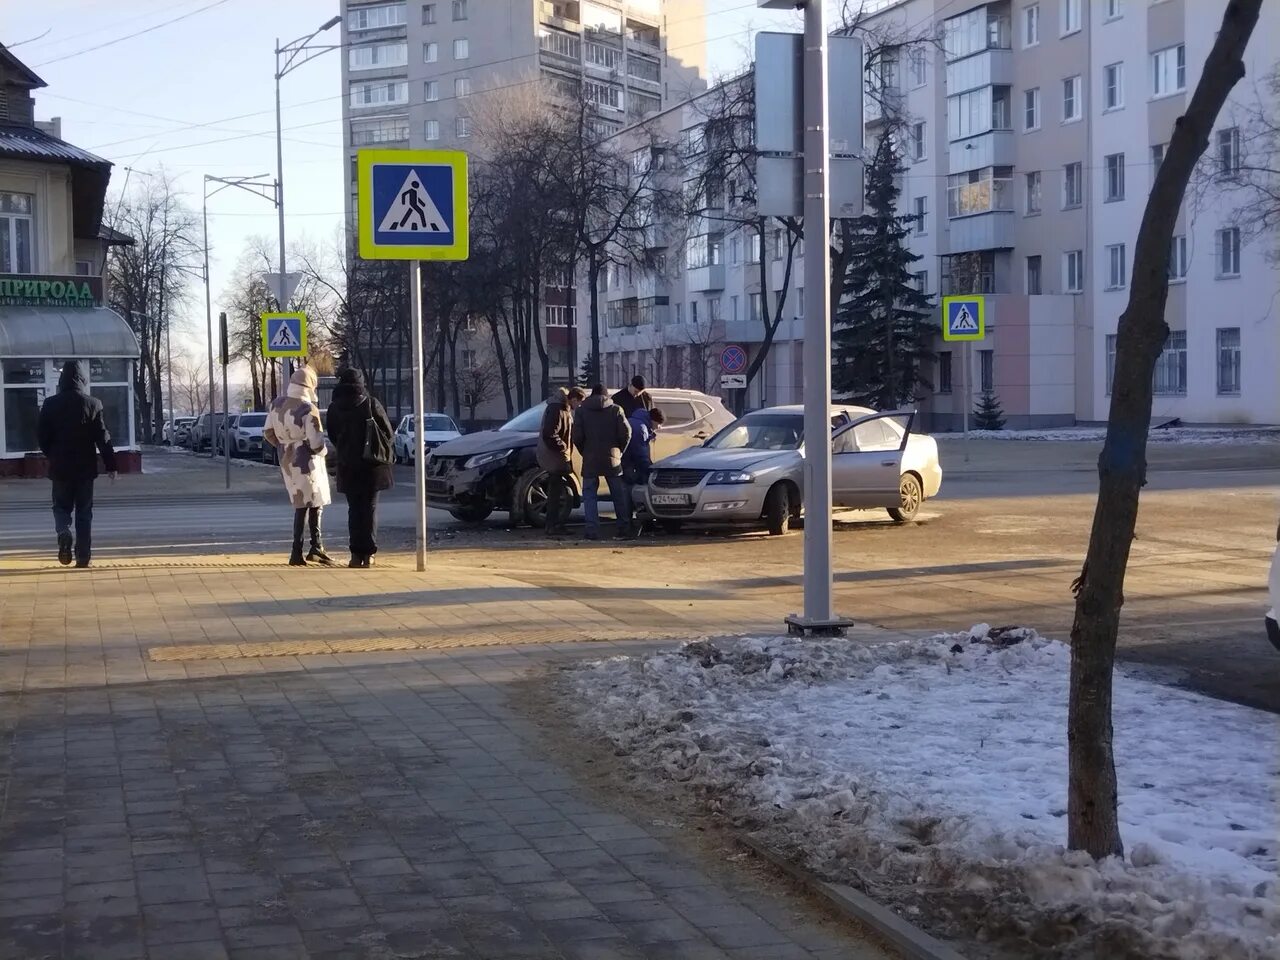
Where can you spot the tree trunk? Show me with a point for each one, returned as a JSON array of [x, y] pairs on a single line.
[[503, 372], [1092, 820]]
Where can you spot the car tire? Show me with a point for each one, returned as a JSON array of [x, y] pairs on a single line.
[[531, 498], [777, 509], [472, 513], [911, 495]]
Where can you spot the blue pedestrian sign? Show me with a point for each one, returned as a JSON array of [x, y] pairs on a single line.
[[284, 334], [964, 317], [412, 204]]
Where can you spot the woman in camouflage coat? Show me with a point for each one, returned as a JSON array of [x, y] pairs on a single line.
[[293, 428]]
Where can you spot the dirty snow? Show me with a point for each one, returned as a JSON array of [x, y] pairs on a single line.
[[1193, 436], [934, 773]]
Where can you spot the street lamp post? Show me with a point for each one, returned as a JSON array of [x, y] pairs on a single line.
[[295, 53], [259, 186]]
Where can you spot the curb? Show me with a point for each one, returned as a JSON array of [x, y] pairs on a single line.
[[910, 940]]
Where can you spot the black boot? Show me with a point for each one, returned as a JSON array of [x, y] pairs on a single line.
[[299, 524], [317, 553]]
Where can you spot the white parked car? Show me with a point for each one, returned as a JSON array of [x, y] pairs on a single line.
[[436, 429], [246, 434]]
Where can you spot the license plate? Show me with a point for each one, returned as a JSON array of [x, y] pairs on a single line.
[[669, 499]]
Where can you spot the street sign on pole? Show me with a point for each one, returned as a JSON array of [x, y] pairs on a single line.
[[964, 317], [733, 359], [413, 205], [733, 381], [284, 334], [283, 294]]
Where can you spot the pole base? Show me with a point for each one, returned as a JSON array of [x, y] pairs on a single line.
[[799, 625]]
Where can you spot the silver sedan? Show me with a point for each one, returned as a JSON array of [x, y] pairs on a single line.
[[752, 471]]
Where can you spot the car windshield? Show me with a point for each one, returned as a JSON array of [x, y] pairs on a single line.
[[527, 422], [253, 420], [761, 431], [437, 424]]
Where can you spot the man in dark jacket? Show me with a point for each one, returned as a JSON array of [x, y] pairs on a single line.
[[601, 432], [555, 453], [633, 397], [359, 479], [72, 434]]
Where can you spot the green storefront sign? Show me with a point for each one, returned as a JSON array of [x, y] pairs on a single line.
[[31, 290]]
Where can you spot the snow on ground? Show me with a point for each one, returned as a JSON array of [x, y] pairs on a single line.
[[1201, 436], [935, 772]]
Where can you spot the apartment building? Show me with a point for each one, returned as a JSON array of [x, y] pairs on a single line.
[[1031, 130], [415, 71]]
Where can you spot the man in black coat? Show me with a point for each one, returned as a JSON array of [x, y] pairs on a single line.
[[633, 397], [72, 434], [359, 479]]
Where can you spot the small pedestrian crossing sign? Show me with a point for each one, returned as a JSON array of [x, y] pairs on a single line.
[[963, 318], [412, 204], [284, 334]]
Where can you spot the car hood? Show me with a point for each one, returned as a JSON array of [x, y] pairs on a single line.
[[484, 441], [443, 436], [702, 458]]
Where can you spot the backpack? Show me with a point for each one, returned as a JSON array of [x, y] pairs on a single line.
[[377, 444]]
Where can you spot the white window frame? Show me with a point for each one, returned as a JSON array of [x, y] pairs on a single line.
[[1073, 271], [461, 88], [1117, 267], [1068, 203], [361, 93], [920, 211], [1156, 156], [1073, 95], [1178, 258], [1113, 87], [1114, 10], [431, 131], [428, 14], [1227, 144], [1031, 109], [1226, 247], [919, 135], [366, 56], [361, 18], [459, 9], [431, 52], [461, 49], [1228, 361], [9, 224], [1070, 17], [1039, 275], [1031, 26], [918, 66], [430, 91], [1171, 365], [1169, 71], [1113, 173], [462, 127], [1033, 177]]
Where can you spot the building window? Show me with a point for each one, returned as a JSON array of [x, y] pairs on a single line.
[[753, 247], [430, 52], [388, 130], [1072, 185], [918, 65], [735, 250], [917, 140], [431, 131], [980, 191], [1073, 271], [462, 87], [1111, 361], [986, 370], [428, 14], [1157, 158], [1171, 367], [1031, 25], [17, 221], [1117, 267], [1229, 151], [753, 308], [373, 18], [459, 9], [921, 215], [921, 280], [1070, 16], [778, 245], [1033, 193], [1034, 286], [1115, 9], [462, 127], [1071, 105], [1115, 176], [558, 316], [379, 93], [944, 371], [603, 55], [377, 56], [461, 49], [1227, 244], [431, 91], [84, 268], [1113, 86], [1031, 109], [1228, 361], [1169, 71], [1178, 259]]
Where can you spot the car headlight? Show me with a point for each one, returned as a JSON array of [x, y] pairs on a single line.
[[481, 459], [731, 476]]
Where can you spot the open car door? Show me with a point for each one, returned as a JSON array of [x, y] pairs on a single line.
[[866, 460]]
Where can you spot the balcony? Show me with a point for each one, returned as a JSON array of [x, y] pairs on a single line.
[[558, 47], [643, 37], [994, 67], [993, 149], [876, 103], [565, 14], [985, 231], [704, 279], [653, 286]]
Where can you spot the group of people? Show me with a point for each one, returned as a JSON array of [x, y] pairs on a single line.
[[614, 437]]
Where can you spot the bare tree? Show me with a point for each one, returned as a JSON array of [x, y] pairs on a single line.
[[1092, 820], [705, 338], [148, 280], [480, 378], [190, 386]]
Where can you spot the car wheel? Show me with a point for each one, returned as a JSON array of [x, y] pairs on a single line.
[[472, 512], [911, 496], [531, 498], [777, 509]]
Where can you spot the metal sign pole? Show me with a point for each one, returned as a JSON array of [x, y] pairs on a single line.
[[226, 408], [419, 404], [968, 394]]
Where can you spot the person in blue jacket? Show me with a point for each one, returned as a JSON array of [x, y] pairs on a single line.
[[637, 459]]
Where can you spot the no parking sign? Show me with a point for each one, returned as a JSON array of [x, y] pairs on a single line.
[[733, 359]]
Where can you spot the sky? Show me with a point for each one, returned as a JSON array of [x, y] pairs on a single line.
[[192, 94]]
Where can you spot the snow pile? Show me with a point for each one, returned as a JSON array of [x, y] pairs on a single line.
[[1193, 436], [933, 772]]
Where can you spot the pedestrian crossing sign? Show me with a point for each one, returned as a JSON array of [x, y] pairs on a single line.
[[412, 204], [284, 334], [964, 317]]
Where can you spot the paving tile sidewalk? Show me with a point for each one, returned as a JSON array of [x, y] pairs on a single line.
[[352, 804]]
